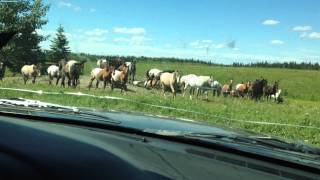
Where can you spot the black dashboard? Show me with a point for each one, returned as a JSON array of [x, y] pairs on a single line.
[[43, 150]]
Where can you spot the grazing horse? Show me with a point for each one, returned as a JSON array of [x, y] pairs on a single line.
[[99, 74], [169, 80], [242, 89], [257, 88], [226, 89], [152, 75], [271, 90], [119, 78], [131, 71], [54, 72], [30, 71]]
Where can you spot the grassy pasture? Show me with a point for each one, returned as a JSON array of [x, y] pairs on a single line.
[[301, 106]]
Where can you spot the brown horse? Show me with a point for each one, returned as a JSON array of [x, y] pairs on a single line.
[[226, 89], [271, 90], [242, 89], [99, 74], [119, 78]]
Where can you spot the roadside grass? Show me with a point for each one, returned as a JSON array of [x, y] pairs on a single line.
[[301, 106]]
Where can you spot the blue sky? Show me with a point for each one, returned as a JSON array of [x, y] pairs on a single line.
[[263, 30]]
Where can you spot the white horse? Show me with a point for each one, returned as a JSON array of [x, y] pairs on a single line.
[[131, 70], [216, 88], [54, 72], [201, 83], [153, 74]]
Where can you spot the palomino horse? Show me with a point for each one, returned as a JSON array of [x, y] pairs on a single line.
[[169, 81], [226, 89], [30, 71], [242, 89]]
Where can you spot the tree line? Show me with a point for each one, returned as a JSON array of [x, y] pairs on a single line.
[[287, 65]]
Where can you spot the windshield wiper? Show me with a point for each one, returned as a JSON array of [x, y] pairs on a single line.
[[39, 108]]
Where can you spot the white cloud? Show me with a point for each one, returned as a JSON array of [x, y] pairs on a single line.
[[303, 35], [270, 22], [92, 10], [302, 28], [64, 4], [276, 42], [68, 5], [97, 39], [96, 32], [219, 46], [134, 31], [134, 40], [314, 35], [121, 39]]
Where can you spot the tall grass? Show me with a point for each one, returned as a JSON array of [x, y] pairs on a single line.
[[301, 106]]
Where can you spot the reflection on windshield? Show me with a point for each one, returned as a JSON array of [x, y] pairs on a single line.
[[202, 61]]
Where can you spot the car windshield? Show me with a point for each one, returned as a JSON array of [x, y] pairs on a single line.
[[246, 65]]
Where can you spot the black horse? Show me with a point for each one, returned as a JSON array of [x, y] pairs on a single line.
[[257, 88]]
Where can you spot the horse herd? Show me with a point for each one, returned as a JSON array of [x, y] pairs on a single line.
[[119, 73], [174, 81]]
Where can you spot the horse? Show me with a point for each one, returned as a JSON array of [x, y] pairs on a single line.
[[226, 89], [257, 88], [242, 89], [216, 88], [152, 74], [201, 83], [131, 71], [100, 62], [120, 78], [169, 80], [54, 72], [99, 74], [72, 70], [30, 71], [184, 82], [271, 90]]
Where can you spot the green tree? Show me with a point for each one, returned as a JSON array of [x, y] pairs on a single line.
[[59, 46], [25, 17]]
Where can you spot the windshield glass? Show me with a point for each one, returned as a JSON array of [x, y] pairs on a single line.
[[249, 65]]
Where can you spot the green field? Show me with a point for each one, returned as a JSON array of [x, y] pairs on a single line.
[[301, 105]]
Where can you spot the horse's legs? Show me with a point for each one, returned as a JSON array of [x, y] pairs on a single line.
[[34, 79], [97, 83], [173, 91], [50, 79], [25, 79], [58, 78]]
